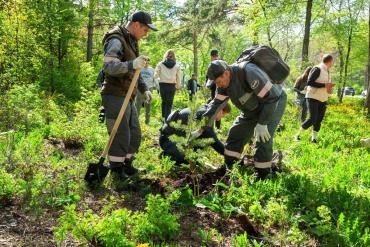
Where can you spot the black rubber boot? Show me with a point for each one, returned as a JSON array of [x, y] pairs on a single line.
[[118, 171], [128, 167], [264, 173]]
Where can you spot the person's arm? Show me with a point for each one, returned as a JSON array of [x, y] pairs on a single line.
[[267, 93], [297, 85], [141, 85], [216, 105], [112, 65], [217, 145], [178, 78], [157, 72], [154, 81], [312, 77]]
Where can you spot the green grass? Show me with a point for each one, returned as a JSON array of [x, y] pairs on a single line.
[[321, 197]]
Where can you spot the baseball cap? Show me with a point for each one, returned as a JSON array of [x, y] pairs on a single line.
[[215, 69], [144, 18]]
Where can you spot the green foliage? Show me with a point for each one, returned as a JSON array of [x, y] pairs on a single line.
[[9, 187], [48, 93], [112, 230], [352, 232], [156, 222], [210, 237], [120, 227], [23, 109]]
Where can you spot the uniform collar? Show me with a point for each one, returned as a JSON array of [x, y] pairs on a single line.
[[233, 74], [127, 32]]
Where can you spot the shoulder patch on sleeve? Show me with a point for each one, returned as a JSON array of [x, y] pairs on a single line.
[[255, 84]]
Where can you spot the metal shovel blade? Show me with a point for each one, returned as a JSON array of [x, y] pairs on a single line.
[[96, 172]]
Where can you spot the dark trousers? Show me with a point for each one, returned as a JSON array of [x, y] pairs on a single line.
[[243, 129], [128, 136], [167, 92], [191, 96], [171, 150], [303, 103], [317, 111]]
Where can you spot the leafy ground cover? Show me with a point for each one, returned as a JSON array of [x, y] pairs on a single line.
[[321, 198]]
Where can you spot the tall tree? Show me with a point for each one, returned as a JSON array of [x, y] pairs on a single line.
[[343, 22], [307, 29], [368, 69], [90, 29], [197, 18]]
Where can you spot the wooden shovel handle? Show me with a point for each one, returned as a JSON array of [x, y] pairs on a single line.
[[121, 112]]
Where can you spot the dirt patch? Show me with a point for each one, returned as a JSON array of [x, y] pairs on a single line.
[[18, 229], [71, 146]]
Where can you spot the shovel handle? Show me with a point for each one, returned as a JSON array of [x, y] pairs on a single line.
[[121, 112]]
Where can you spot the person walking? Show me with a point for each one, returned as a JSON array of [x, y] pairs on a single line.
[[318, 90], [300, 88], [167, 73], [121, 59], [147, 74], [193, 86]]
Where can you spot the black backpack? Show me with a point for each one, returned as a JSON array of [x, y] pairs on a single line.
[[268, 59]]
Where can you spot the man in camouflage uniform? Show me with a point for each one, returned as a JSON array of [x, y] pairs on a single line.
[[121, 59]]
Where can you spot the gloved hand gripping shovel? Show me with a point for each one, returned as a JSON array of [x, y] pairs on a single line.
[[96, 172]]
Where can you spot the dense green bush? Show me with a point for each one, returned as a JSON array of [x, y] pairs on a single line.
[[9, 187], [157, 222], [22, 108], [120, 227]]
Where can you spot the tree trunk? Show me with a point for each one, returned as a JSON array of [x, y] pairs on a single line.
[[341, 69], [268, 29], [90, 31], [349, 44], [195, 52], [306, 38], [60, 36], [368, 72], [51, 49]]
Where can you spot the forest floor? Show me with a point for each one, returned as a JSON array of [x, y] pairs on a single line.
[[320, 198]]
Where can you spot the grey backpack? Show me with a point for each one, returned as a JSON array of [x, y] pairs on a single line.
[[268, 59]]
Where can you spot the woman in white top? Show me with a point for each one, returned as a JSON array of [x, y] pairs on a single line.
[[318, 90], [167, 73]]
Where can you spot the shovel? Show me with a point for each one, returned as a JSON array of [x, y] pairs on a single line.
[[96, 172]]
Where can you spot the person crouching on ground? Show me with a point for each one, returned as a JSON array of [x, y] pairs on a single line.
[[170, 147]]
